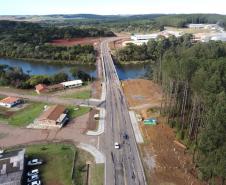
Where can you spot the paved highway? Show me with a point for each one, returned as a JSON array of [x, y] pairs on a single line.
[[123, 166]]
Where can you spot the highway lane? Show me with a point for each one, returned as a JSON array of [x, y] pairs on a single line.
[[123, 166]]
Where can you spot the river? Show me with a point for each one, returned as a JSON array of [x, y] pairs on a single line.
[[35, 68]]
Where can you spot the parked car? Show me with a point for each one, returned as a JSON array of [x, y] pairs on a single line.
[[33, 172], [34, 162], [38, 182], [117, 146], [32, 178]]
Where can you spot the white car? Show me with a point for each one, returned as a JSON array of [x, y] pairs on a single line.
[[33, 178], [34, 162], [117, 146], [33, 172], [38, 182]]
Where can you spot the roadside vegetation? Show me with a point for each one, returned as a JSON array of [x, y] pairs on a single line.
[[58, 162], [75, 112], [16, 77], [194, 82], [65, 164], [85, 94], [23, 116]]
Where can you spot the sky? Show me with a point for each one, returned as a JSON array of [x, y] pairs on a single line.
[[109, 7]]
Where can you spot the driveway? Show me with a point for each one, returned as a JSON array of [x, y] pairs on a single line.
[[74, 131]]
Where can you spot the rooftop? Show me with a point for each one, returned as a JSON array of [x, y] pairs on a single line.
[[53, 113], [12, 161], [9, 100], [73, 82], [40, 87]]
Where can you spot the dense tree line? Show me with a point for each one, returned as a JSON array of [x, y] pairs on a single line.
[[193, 77], [139, 23], [29, 40], [15, 77]]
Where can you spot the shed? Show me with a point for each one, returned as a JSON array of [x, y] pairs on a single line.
[[150, 121]]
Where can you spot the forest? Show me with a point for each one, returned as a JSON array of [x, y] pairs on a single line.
[[30, 41], [136, 23], [193, 78]]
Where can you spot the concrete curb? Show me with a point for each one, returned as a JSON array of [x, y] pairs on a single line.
[[99, 157], [100, 129], [136, 128]]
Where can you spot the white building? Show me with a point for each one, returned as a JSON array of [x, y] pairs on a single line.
[[144, 37], [10, 102], [73, 83], [203, 26], [219, 37]]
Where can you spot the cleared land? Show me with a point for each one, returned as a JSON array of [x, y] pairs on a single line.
[[165, 162], [77, 41], [23, 116], [142, 93]]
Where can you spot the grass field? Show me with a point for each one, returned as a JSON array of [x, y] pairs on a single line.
[[58, 160], [97, 174], [73, 113], [86, 94], [27, 115]]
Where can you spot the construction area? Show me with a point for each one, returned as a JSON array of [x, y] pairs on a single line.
[[166, 160], [76, 41]]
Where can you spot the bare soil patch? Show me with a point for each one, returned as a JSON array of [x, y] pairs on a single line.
[[76, 41], [118, 43], [141, 93], [96, 89], [92, 123]]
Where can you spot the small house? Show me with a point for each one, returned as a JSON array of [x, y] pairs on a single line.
[[41, 88], [10, 102], [53, 116]]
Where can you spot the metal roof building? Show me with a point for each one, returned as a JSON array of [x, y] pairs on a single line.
[[73, 83], [144, 37]]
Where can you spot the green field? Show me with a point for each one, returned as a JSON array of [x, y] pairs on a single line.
[[86, 94], [97, 174], [58, 164], [73, 113], [24, 116], [59, 159]]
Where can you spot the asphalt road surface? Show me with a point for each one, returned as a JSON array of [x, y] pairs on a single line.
[[123, 166]]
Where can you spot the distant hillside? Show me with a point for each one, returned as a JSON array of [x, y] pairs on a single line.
[[123, 23]]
